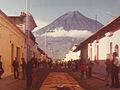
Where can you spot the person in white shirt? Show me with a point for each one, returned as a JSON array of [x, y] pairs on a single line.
[[115, 70], [117, 61]]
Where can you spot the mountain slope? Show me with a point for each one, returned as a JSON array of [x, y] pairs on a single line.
[[73, 21], [68, 30]]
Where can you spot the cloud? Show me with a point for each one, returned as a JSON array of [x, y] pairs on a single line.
[[72, 33], [40, 24]]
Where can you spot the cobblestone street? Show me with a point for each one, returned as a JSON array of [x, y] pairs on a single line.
[[60, 81]]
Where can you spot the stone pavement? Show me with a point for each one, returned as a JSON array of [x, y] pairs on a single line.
[[60, 81]]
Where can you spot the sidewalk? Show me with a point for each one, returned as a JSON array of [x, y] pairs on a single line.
[[9, 83], [97, 82]]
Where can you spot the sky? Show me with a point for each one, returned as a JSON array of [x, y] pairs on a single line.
[[46, 11]]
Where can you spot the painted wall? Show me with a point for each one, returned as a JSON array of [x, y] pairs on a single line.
[[11, 43], [107, 45], [84, 54]]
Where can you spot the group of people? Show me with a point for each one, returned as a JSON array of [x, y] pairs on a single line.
[[86, 69], [26, 70], [112, 69]]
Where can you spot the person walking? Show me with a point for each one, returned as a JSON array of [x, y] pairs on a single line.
[[29, 67], [1, 69], [115, 70], [76, 65], [15, 65], [90, 67], [83, 69], [23, 65]]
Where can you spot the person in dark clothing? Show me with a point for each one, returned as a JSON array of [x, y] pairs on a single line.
[[1, 68], [29, 67], [76, 65], [50, 62], [15, 65], [115, 70], [90, 67], [23, 65], [83, 69], [108, 70]]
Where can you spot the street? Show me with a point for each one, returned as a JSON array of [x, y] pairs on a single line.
[[45, 79], [60, 81]]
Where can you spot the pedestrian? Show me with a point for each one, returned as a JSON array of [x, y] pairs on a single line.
[[83, 69], [15, 65], [50, 62], [23, 65], [108, 70], [76, 64], [90, 67], [29, 67], [1, 69], [115, 70]]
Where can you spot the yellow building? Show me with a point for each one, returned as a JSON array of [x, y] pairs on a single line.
[[26, 22], [12, 42], [33, 45]]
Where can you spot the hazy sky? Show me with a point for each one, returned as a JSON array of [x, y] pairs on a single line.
[[46, 11]]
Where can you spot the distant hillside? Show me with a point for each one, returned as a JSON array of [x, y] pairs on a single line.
[[67, 30]]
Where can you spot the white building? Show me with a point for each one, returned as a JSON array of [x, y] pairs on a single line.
[[101, 45]]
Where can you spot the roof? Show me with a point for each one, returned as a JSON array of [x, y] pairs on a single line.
[[11, 23], [32, 37], [41, 50], [111, 27], [22, 19]]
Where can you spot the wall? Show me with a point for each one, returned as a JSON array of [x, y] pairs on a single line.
[[10, 35], [84, 54], [104, 49]]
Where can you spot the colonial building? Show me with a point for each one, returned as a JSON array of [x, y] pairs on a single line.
[[26, 23], [21, 20], [101, 45], [12, 42]]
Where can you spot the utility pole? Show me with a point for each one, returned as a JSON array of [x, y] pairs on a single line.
[[27, 30]]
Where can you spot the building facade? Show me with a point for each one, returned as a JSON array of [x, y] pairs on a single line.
[[12, 41], [101, 45]]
